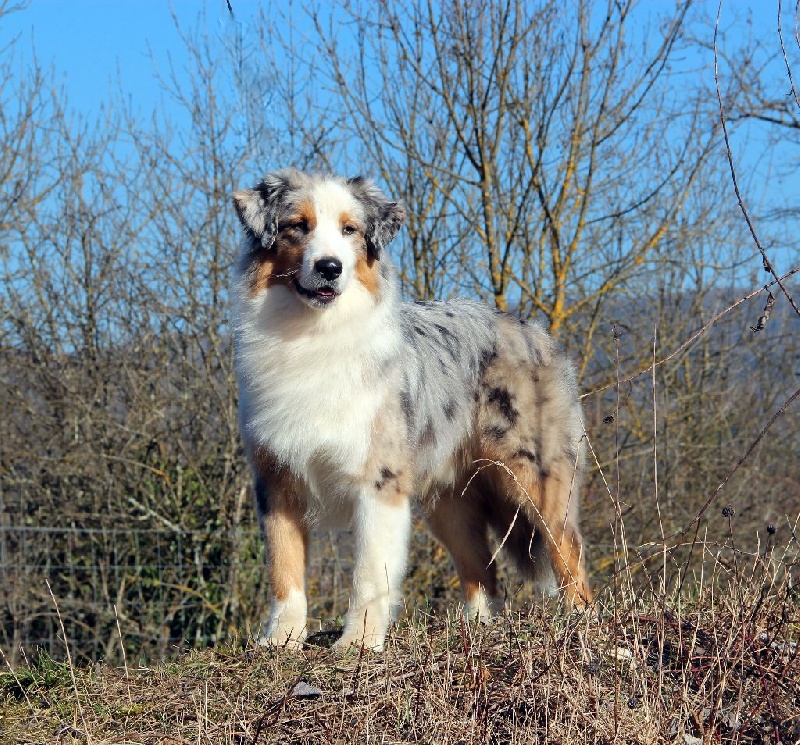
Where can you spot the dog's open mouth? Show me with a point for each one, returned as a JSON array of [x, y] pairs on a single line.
[[321, 295]]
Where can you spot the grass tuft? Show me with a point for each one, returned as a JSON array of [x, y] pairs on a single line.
[[719, 663]]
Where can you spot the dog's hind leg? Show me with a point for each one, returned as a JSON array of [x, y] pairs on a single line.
[[562, 537], [548, 502], [458, 519]]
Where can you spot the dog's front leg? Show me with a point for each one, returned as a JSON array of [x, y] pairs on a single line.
[[287, 546], [381, 529], [281, 513]]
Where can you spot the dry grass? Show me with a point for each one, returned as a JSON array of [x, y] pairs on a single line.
[[716, 662]]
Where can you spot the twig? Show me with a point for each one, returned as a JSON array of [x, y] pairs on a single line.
[[785, 56], [69, 662], [762, 321], [121, 643], [617, 521], [692, 338], [696, 519], [655, 467], [765, 259]]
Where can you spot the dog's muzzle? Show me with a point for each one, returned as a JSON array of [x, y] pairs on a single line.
[[321, 290]]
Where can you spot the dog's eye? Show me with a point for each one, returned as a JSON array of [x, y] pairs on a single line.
[[349, 229], [299, 227]]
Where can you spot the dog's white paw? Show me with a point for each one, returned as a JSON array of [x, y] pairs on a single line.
[[286, 626], [481, 607], [357, 639], [365, 627], [282, 636]]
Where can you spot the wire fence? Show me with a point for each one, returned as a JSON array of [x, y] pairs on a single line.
[[144, 594], [155, 591], [152, 590]]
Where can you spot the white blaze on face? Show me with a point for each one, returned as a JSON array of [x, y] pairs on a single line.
[[333, 206]]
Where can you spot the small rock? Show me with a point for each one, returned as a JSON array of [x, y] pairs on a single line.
[[304, 690]]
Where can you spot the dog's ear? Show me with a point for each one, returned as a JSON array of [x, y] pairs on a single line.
[[259, 225], [258, 208], [384, 217]]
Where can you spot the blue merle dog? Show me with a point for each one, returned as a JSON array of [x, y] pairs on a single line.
[[353, 403]]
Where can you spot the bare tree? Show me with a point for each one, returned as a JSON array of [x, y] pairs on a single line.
[[548, 155], [116, 358], [556, 161]]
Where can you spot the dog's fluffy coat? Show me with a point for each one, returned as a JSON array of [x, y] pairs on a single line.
[[353, 402]]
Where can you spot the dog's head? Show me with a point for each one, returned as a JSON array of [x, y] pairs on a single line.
[[314, 235]]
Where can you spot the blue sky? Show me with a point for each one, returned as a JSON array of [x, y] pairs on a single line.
[[96, 47], [93, 45]]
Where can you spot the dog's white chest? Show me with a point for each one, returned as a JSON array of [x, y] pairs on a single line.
[[307, 416], [312, 399]]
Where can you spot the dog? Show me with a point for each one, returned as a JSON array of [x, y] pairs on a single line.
[[353, 403]]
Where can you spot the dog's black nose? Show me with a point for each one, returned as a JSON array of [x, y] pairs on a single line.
[[329, 268]]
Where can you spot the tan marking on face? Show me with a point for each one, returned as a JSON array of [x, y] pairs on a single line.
[[347, 218], [279, 264], [367, 269], [368, 272], [303, 212]]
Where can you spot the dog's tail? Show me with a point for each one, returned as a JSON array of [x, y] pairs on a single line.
[[537, 525], [526, 547]]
